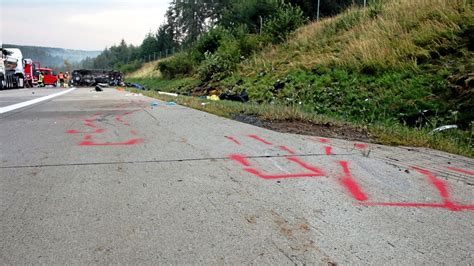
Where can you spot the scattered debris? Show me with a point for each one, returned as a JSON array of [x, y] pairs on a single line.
[[155, 104], [242, 97], [98, 88], [168, 93], [279, 85], [137, 86], [213, 98], [443, 128]]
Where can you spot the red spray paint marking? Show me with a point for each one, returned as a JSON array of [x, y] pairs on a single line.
[[360, 146], [87, 137], [306, 166], [284, 148], [233, 140], [421, 205], [133, 132], [322, 140], [437, 183], [240, 159], [328, 150], [243, 161], [464, 171], [124, 143], [88, 124], [119, 118], [260, 139], [97, 131], [440, 185], [350, 184]]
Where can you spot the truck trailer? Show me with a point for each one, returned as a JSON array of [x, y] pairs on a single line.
[[12, 73]]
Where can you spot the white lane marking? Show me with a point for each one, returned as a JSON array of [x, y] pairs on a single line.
[[30, 102]]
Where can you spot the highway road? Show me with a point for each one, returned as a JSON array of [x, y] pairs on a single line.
[[98, 178]]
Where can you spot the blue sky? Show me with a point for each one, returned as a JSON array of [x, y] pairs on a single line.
[[79, 24]]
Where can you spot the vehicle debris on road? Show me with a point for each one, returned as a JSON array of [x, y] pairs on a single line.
[[443, 128]]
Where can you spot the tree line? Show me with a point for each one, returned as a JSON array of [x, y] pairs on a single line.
[[188, 20]]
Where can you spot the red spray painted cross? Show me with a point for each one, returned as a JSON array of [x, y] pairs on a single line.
[[347, 180], [91, 123]]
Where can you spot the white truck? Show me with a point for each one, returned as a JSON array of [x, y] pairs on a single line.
[[11, 69]]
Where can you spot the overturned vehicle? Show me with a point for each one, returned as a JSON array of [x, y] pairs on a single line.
[[88, 78]]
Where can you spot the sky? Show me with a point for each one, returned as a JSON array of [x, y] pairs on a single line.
[[79, 24]]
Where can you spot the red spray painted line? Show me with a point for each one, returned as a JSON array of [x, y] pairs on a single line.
[[323, 140], [119, 118], [284, 148], [306, 166], [260, 139], [350, 184], [437, 183], [360, 146], [88, 124], [464, 171], [421, 205], [87, 137], [240, 159], [133, 132], [328, 150], [440, 185], [233, 140], [97, 131], [125, 143]]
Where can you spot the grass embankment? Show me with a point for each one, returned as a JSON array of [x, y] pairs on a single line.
[[326, 126], [398, 69]]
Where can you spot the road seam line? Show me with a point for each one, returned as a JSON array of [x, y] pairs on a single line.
[[163, 161], [34, 101]]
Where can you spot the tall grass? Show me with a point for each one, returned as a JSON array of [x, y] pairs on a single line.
[[386, 35]]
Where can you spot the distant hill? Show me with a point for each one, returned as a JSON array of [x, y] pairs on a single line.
[[53, 57]]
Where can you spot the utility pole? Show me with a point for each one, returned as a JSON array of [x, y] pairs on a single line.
[[317, 14], [365, 3]]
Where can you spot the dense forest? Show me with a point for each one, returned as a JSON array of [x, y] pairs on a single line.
[[188, 20]]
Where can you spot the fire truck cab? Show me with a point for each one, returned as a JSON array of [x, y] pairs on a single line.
[[48, 76]]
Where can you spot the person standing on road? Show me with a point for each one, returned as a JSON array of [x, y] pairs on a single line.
[[40, 79], [61, 79], [66, 79]]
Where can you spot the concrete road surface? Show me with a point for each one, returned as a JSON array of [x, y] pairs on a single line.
[[100, 178]]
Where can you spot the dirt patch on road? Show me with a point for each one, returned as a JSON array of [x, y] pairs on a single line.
[[328, 130]]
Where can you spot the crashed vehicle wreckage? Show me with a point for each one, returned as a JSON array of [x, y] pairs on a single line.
[[88, 78]]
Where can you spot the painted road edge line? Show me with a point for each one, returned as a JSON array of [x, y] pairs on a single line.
[[30, 102]]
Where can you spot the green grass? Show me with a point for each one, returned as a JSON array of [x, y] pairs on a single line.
[[456, 142]]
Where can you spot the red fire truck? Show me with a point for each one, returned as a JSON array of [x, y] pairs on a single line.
[[32, 71], [48, 76]]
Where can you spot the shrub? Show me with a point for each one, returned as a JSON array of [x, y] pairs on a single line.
[[179, 65], [287, 19], [215, 67], [130, 67]]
